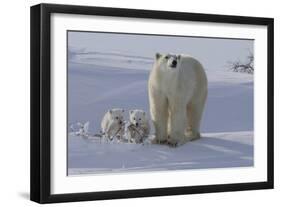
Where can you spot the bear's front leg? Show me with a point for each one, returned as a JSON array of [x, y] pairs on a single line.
[[178, 124], [159, 116]]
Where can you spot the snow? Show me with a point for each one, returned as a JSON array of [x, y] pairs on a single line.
[[213, 150], [227, 124]]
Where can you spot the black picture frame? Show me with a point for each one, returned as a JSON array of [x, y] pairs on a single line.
[[41, 102]]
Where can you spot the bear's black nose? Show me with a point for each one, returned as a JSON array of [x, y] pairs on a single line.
[[174, 62], [137, 124], [120, 122]]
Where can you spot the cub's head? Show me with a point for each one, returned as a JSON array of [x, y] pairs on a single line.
[[137, 117], [117, 116], [170, 61]]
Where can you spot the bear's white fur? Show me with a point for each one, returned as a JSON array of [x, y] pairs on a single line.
[[112, 124], [177, 90], [138, 128]]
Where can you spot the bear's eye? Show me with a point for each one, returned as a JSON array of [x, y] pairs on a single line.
[[134, 118], [166, 57], [139, 118], [117, 117]]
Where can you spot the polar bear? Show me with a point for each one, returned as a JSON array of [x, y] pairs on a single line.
[[138, 128], [177, 89], [112, 124]]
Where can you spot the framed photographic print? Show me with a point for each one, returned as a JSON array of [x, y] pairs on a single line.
[[133, 103]]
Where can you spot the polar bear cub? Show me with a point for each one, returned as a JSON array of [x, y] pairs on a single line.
[[138, 128], [112, 124], [177, 89]]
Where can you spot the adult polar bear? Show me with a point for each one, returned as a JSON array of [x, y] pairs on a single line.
[[177, 90]]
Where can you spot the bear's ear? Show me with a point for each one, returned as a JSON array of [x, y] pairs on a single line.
[[157, 55], [123, 110], [110, 111], [131, 111], [178, 56]]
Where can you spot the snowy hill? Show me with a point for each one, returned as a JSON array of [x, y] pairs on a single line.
[[95, 89], [227, 122]]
